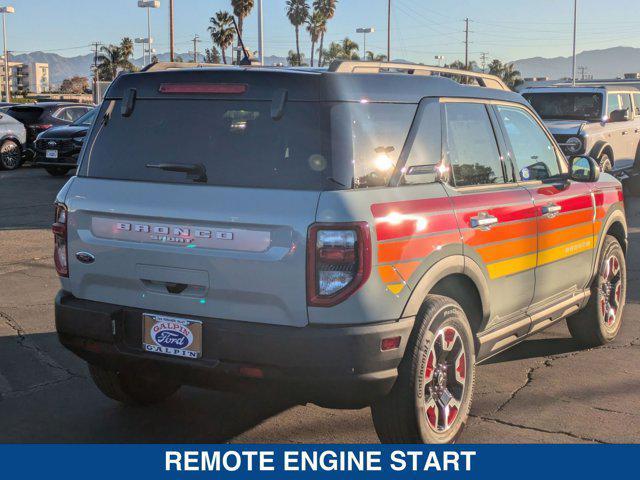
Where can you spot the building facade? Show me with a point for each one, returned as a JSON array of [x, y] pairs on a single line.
[[23, 77]]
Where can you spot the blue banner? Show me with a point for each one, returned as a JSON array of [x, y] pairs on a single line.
[[96, 462]]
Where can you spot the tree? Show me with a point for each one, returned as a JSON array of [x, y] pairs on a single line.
[[345, 50], [334, 52], [316, 24], [371, 57], [296, 60], [297, 12], [328, 9], [349, 49], [241, 9], [212, 56], [507, 72], [113, 58], [221, 30], [75, 85]]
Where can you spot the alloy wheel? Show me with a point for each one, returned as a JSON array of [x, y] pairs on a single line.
[[610, 290], [10, 154], [444, 379]]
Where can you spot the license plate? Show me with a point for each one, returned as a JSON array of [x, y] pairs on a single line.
[[52, 153], [172, 336]]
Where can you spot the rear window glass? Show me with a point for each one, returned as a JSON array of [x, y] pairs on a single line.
[[26, 115], [237, 142]]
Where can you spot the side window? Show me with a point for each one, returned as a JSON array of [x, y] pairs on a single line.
[[535, 155], [614, 103], [426, 150], [471, 145], [636, 101], [625, 103], [75, 113]]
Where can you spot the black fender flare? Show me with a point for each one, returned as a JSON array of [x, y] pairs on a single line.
[[454, 264], [598, 148]]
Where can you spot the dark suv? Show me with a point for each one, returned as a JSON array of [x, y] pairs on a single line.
[[38, 117], [354, 239]]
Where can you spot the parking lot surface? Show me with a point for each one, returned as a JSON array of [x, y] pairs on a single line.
[[546, 390]]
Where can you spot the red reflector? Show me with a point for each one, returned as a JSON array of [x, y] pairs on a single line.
[[390, 343], [233, 88], [251, 372]]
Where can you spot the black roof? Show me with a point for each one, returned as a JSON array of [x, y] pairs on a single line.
[[306, 85]]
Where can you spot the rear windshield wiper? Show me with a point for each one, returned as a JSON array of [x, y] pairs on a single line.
[[195, 171]]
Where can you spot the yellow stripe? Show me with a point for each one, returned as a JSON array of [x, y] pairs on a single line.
[[511, 266], [566, 250], [395, 288]]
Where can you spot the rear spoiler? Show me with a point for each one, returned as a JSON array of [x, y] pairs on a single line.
[[461, 76], [162, 66]]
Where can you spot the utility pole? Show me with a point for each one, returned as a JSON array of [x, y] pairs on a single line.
[[575, 28], [96, 78], [260, 34], [466, 43], [388, 32], [196, 39], [483, 59], [172, 52], [583, 70]]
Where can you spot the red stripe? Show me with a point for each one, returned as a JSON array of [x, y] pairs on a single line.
[[503, 214], [411, 206], [463, 201], [398, 227], [609, 196]]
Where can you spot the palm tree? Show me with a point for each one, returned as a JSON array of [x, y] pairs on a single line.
[[371, 57], [496, 67], [221, 30], [328, 10], [349, 49], [298, 12], [114, 57], [295, 60], [127, 47], [241, 9], [511, 76], [316, 24], [334, 52]]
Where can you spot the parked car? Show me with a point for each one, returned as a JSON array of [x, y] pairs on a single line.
[[38, 117], [57, 149], [353, 239], [13, 137], [602, 122]]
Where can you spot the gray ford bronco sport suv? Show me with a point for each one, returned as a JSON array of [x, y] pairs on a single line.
[[602, 122], [351, 239]]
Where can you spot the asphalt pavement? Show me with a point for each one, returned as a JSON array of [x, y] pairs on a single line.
[[546, 390]]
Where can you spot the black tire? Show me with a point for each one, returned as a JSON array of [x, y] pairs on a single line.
[[57, 171], [405, 414], [600, 321], [131, 388], [606, 165], [10, 155]]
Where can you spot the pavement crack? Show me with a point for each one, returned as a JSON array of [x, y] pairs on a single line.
[[34, 388], [515, 392], [537, 429]]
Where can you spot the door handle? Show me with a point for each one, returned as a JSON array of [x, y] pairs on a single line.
[[624, 132], [483, 221], [551, 209]]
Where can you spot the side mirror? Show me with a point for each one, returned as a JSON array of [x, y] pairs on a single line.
[[621, 115], [584, 169]]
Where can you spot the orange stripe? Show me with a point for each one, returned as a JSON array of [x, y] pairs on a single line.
[[388, 274], [553, 239], [600, 212], [508, 250], [407, 269], [413, 248], [566, 220], [499, 233]]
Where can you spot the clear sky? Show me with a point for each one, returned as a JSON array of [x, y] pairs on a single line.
[[421, 29]]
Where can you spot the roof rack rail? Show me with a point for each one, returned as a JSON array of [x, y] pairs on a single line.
[[461, 76], [161, 66]]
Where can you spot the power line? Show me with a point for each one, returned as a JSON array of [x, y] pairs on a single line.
[[483, 60]]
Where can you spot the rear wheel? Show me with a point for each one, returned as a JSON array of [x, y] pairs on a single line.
[[601, 319], [130, 387], [606, 165], [57, 171], [431, 398], [10, 155]]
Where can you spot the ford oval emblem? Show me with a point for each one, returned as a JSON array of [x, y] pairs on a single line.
[[172, 335], [85, 257]]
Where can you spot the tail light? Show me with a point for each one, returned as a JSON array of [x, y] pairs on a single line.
[[41, 127], [338, 262], [59, 229]]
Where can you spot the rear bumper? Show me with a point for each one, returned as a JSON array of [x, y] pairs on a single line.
[[337, 366]]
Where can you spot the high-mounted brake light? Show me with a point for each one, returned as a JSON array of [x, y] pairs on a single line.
[[338, 262], [59, 229], [229, 88], [42, 126]]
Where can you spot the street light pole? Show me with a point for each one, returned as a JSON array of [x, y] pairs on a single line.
[[364, 32], [389, 32], [4, 11], [575, 29], [148, 4], [171, 33], [260, 34]]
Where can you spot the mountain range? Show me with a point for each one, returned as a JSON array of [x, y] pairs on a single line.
[[600, 64]]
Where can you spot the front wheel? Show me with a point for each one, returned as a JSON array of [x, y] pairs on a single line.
[[600, 321], [605, 163], [130, 387], [431, 398]]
